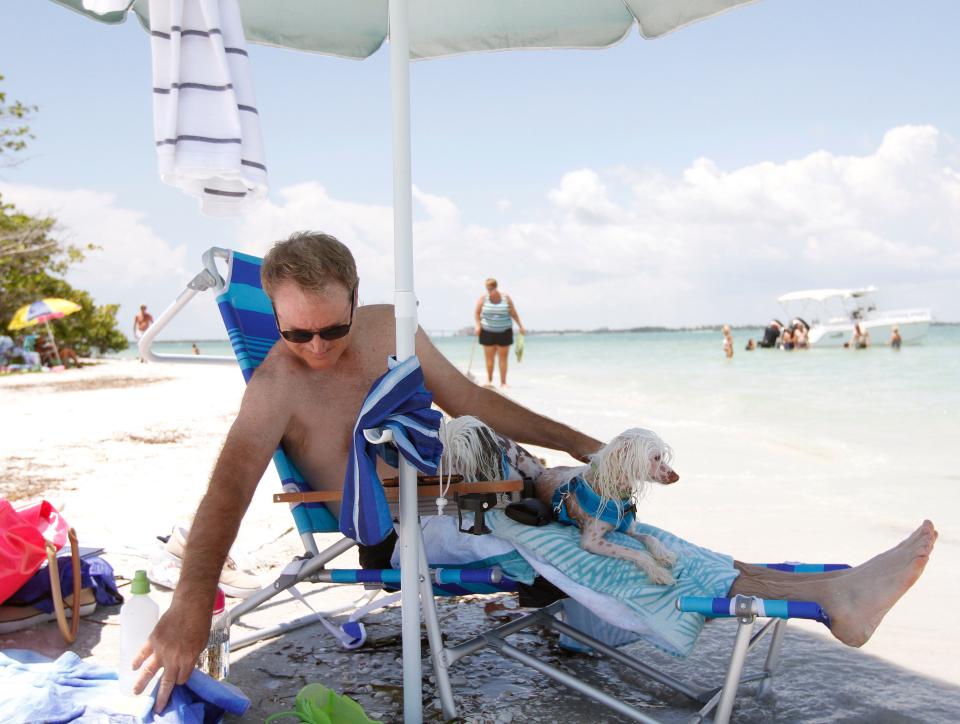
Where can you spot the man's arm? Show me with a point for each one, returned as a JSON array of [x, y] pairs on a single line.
[[182, 631], [457, 396]]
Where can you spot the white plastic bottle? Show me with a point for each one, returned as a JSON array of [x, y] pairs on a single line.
[[138, 616]]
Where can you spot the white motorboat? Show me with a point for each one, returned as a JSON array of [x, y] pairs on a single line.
[[832, 313]]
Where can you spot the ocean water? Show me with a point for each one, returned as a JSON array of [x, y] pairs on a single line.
[[857, 408]]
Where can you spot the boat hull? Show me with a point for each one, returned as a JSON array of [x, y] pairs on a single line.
[[912, 331]]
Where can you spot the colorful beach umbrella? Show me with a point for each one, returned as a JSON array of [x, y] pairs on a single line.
[[41, 312], [420, 29]]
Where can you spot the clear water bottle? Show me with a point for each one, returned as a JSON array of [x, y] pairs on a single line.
[[138, 616], [215, 659]]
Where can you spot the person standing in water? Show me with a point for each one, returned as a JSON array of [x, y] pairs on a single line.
[[495, 315], [727, 341], [895, 339]]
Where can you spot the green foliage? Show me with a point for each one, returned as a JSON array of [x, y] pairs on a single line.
[[14, 131], [31, 262]]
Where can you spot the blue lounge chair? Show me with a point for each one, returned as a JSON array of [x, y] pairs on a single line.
[[249, 319]]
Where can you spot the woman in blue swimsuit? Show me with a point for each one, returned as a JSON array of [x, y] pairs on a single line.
[[495, 315]]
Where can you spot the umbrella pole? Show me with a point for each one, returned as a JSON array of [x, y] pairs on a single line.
[[405, 307], [53, 341]]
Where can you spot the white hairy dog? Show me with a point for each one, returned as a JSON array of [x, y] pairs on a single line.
[[622, 470]]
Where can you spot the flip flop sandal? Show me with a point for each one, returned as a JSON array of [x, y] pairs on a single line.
[[18, 618]]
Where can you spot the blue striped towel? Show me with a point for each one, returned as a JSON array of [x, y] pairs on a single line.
[[699, 572], [398, 401]]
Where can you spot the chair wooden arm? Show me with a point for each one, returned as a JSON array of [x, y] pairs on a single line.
[[393, 493]]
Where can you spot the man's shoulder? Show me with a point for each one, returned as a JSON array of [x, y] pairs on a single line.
[[278, 369], [377, 311]]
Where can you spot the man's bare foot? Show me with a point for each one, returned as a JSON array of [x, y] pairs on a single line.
[[858, 601]]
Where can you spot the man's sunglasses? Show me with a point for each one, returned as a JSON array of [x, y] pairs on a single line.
[[302, 336]]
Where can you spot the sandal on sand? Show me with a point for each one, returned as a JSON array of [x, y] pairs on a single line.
[[17, 618], [234, 582], [316, 704]]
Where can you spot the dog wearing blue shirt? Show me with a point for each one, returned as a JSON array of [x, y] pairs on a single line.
[[601, 496]]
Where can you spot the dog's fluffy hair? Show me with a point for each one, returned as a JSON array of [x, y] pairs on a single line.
[[470, 449], [625, 466]]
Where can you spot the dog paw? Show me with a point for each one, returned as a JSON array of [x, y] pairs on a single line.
[[661, 577], [666, 558]]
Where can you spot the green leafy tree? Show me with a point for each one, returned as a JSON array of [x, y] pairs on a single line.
[[33, 260], [14, 131]]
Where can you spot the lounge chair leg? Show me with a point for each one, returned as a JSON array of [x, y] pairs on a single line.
[[435, 638], [773, 659], [734, 671]]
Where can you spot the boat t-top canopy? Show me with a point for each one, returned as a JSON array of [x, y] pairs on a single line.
[[821, 295]]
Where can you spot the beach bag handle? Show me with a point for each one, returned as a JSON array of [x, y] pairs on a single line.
[[28, 538]]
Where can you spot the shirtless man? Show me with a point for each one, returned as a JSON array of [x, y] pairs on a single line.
[[306, 394], [141, 323]]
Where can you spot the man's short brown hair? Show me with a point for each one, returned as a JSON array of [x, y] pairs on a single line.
[[310, 260]]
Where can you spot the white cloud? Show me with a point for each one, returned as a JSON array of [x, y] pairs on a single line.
[[708, 245], [620, 248]]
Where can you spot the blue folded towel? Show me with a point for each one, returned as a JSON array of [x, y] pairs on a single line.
[[33, 688]]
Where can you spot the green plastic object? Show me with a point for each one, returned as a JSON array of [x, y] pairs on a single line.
[[317, 704], [518, 348], [140, 583]]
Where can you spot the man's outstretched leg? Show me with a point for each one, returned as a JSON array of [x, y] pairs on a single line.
[[856, 599]]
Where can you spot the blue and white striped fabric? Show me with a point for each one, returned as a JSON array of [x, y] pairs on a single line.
[[248, 316], [495, 317], [397, 401]]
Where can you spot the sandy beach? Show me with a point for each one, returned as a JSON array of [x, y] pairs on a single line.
[[125, 449]]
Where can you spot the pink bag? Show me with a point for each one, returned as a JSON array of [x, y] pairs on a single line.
[[29, 537]]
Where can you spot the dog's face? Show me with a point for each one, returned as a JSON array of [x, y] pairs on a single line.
[[631, 461]]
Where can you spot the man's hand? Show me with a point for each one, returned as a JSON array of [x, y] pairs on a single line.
[[176, 642]]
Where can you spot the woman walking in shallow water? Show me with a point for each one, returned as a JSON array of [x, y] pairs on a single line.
[[495, 315]]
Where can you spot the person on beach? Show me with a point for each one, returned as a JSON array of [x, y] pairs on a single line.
[[194, 348], [306, 395], [141, 323], [727, 341], [495, 315], [751, 345]]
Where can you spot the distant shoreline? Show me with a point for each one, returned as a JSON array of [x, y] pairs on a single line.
[[533, 332]]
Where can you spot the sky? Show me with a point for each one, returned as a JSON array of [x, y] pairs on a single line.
[[686, 180]]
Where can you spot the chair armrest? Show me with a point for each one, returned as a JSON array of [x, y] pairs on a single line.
[[763, 607], [393, 493]]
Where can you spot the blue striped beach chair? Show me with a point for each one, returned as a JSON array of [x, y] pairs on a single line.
[[249, 319]]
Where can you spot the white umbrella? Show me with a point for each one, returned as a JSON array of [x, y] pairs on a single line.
[[426, 29]]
